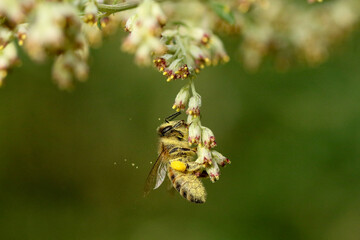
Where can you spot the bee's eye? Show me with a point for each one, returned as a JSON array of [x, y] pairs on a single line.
[[166, 129]]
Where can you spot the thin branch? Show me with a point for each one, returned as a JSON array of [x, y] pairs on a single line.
[[117, 7], [108, 8]]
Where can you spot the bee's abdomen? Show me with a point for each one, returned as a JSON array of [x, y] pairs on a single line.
[[188, 185]]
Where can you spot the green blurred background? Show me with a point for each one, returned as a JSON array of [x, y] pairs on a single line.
[[293, 138]]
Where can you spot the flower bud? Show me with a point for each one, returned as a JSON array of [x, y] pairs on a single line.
[[194, 133], [208, 137], [90, 13], [200, 35], [130, 23], [8, 58], [5, 37], [194, 106], [68, 65], [145, 27], [92, 34], [204, 156], [219, 158], [158, 13], [181, 99], [218, 52], [213, 172], [21, 34]]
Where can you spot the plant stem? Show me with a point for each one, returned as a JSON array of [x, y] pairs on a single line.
[[194, 93], [120, 6], [117, 7]]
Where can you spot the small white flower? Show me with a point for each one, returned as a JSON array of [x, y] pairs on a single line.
[[194, 106], [208, 137], [217, 51], [204, 156], [182, 99], [145, 28], [71, 64], [8, 58], [90, 12], [93, 34], [5, 37], [219, 158], [21, 33], [157, 12], [200, 35], [200, 57], [130, 23], [194, 133], [213, 172]]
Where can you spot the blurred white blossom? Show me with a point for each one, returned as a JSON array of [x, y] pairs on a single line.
[[56, 27], [8, 58], [145, 28]]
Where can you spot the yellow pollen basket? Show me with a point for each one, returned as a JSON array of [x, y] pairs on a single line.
[[179, 166]]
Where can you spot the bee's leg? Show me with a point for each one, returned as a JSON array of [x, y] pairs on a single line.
[[172, 116], [193, 166]]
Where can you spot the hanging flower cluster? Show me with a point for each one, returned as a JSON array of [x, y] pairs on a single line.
[[190, 49], [56, 31], [180, 43], [200, 136], [292, 32], [59, 30]]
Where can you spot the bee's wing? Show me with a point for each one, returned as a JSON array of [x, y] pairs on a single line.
[[161, 173], [157, 174]]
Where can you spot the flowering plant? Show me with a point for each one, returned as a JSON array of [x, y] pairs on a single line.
[[177, 37]]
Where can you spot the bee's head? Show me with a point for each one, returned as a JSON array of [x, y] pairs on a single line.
[[172, 129]]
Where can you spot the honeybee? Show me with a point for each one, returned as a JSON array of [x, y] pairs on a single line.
[[176, 159]]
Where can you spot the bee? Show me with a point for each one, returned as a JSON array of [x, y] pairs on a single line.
[[176, 159]]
